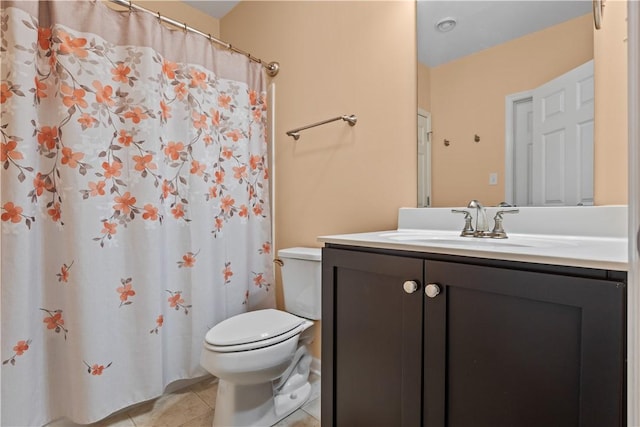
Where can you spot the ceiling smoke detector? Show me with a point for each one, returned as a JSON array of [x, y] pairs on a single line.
[[446, 24]]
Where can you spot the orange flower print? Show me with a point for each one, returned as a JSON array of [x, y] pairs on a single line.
[[112, 170], [255, 162], [11, 213], [150, 212], [253, 97], [198, 79], [181, 91], [63, 276], [125, 291], [173, 150], [178, 211], [86, 121], [72, 97], [97, 188], [72, 45], [199, 121], [208, 140], [167, 189], [213, 192], [54, 321], [18, 349], [44, 38], [219, 177], [39, 184], [217, 224], [103, 93], [257, 115], [5, 93], [55, 213], [144, 162], [235, 135], [124, 203], [227, 204], [165, 111], [159, 323], [7, 151], [244, 211], [188, 260], [40, 88], [197, 168], [136, 115], [177, 302], [227, 272], [266, 248], [109, 228], [48, 137], [259, 280], [125, 138], [169, 69], [240, 172], [121, 73], [227, 153], [215, 117], [257, 210], [70, 158], [95, 369], [224, 101]]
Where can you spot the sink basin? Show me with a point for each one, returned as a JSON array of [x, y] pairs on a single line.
[[439, 238]]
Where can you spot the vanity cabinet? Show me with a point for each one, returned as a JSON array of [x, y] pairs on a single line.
[[500, 344]]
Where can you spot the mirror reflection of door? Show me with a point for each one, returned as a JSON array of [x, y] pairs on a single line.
[[424, 159], [550, 142]]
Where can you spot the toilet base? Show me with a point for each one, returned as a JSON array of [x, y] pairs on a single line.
[[267, 403]]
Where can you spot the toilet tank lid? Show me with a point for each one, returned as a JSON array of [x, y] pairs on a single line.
[[252, 326], [313, 254]]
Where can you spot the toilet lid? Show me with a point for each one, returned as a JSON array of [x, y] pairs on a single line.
[[252, 326]]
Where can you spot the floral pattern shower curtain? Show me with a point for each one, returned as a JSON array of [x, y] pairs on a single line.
[[134, 206]]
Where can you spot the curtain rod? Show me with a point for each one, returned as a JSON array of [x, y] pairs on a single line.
[[272, 68]]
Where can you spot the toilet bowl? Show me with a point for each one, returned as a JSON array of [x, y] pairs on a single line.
[[261, 357]]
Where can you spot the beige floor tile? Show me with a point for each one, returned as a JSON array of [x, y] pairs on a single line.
[[205, 420], [171, 410], [118, 420], [299, 419], [313, 408], [207, 391]]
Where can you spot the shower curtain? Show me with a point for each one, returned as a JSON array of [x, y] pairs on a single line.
[[134, 205]]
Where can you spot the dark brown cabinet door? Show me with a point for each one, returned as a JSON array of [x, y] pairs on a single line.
[[514, 348], [371, 340]]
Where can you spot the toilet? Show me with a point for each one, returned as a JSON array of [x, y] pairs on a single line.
[[261, 357]]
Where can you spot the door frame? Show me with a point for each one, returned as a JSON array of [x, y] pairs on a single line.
[[509, 143]]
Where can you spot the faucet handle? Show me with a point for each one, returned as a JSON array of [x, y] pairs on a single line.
[[468, 228], [498, 231]]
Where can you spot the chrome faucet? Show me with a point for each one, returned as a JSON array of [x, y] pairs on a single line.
[[481, 217]]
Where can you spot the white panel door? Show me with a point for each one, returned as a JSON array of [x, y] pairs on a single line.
[[424, 159], [562, 171]]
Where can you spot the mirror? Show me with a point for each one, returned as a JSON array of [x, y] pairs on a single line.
[[485, 90]]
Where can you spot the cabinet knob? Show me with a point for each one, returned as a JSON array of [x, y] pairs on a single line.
[[432, 290], [410, 286]]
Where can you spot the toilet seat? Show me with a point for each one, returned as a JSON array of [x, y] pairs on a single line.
[[253, 330]]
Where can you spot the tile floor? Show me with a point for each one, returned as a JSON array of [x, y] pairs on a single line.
[[194, 407]]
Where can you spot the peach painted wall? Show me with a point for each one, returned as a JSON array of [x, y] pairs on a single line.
[[355, 57], [610, 131], [468, 98]]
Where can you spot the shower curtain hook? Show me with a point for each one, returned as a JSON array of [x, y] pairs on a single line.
[[159, 18], [130, 7], [185, 27]]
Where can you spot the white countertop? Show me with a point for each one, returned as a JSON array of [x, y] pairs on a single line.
[[589, 237]]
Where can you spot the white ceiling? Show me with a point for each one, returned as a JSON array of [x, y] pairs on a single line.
[[483, 24], [480, 23]]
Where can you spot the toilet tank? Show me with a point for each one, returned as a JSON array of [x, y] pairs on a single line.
[[301, 281]]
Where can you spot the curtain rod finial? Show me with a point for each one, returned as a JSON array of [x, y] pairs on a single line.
[[273, 68]]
